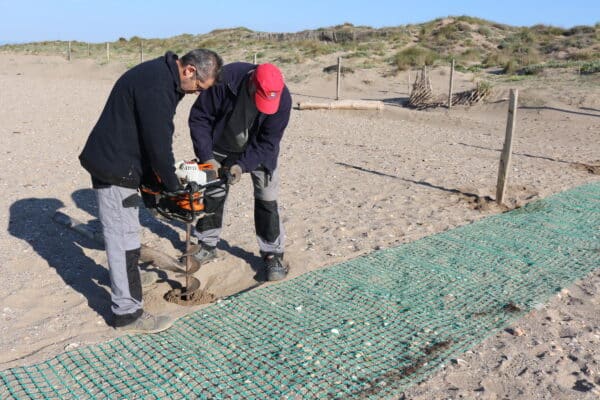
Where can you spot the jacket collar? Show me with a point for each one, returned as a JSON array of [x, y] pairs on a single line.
[[236, 73], [171, 59]]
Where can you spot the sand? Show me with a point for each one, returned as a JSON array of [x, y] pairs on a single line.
[[353, 182]]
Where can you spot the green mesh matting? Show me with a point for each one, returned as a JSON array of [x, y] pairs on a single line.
[[366, 328]]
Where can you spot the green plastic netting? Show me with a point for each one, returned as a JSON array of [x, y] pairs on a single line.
[[365, 328]]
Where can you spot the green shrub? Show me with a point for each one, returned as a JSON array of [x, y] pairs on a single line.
[[332, 69], [472, 54], [527, 56], [552, 47], [583, 56], [501, 27], [510, 67], [495, 59], [532, 69], [413, 57], [208, 43], [357, 54], [313, 48], [485, 86], [590, 67], [289, 59], [470, 68], [484, 31], [472, 20], [578, 30], [547, 30], [447, 33]]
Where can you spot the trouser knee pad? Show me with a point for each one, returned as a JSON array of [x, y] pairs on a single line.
[[266, 220]]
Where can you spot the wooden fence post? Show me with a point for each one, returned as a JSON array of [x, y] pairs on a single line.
[[339, 78], [69, 52], [255, 58], [107, 52], [451, 83], [141, 51], [507, 149], [89, 54]]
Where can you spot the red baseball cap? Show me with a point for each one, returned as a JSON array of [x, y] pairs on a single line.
[[269, 84]]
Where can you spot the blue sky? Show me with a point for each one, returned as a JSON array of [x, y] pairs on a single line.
[[107, 20]]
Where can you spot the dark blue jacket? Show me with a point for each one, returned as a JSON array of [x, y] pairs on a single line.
[[212, 109], [134, 135]]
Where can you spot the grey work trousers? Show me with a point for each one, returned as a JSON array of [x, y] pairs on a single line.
[[121, 229], [270, 233]]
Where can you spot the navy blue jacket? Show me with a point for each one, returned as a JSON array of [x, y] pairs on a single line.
[[212, 109], [133, 137]]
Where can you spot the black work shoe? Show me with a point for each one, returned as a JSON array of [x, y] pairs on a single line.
[[144, 323], [276, 268], [203, 255]]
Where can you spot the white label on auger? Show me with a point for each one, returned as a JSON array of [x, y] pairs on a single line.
[[188, 171]]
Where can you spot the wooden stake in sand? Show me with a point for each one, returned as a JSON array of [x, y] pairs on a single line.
[[451, 82], [141, 51], [69, 52], [254, 58], [339, 78], [107, 52], [507, 150]]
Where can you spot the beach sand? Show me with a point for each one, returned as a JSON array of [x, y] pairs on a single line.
[[352, 182]]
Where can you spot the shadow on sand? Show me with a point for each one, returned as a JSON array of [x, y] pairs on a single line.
[[31, 221], [472, 196], [85, 199], [561, 110]]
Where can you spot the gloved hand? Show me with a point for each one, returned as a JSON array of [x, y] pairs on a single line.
[[193, 187], [234, 175], [214, 163]]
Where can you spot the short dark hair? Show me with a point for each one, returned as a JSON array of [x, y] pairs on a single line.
[[207, 63]]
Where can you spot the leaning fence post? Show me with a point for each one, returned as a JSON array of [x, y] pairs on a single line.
[[507, 149], [339, 78], [451, 83]]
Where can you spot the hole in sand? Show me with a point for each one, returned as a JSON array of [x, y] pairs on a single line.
[[190, 299]]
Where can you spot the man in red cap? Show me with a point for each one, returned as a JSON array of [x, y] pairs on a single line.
[[236, 126]]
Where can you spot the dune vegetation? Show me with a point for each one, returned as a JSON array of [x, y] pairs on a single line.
[[473, 42]]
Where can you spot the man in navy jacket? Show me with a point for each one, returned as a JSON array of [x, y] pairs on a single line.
[[237, 126], [131, 144]]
